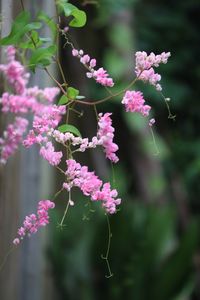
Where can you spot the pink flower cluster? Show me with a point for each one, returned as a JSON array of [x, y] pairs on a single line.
[[101, 76], [91, 185], [15, 72], [33, 222], [134, 102], [105, 134], [47, 117], [38, 102], [45, 120], [47, 94], [82, 143], [12, 137], [144, 67], [48, 152], [104, 138]]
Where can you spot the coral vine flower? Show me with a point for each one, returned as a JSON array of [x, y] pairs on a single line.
[[106, 134], [101, 76], [33, 222], [134, 102], [144, 66], [91, 185]]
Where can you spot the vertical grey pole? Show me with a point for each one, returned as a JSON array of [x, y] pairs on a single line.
[[9, 195], [35, 177]]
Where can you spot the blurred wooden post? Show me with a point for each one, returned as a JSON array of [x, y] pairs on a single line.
[[9, 198], [22, 184]]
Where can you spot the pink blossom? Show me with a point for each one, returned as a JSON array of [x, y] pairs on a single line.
[[12, 137], [47, 117], [100, 75], [105, 134], [93, 63], [66, 29], [144, 67], [15, 103], [33, 222], [151, 122], [11, 51], [30, 139], [90, 185], [107, 196], [16, 241], [15, 72], [75, 52], [48, 152], [134, 102], [85, 59]]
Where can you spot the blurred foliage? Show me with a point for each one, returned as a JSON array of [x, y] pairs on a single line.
[[154, 246]]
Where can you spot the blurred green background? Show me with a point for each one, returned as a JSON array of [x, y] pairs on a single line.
[[154, 250]]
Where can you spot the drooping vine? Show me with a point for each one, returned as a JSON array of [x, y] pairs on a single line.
[[25, 51]]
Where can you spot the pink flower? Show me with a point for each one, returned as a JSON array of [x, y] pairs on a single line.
[[93, 63], [151, 122], [15, 72], [48, 152], [101, 76], [105, 134], [33, 222], [134, 102], [30, 139], [90, 185], [16, 241], [107, 196], [144, 67], [85, 59], [12, 137], [75, 52], [46, 115]]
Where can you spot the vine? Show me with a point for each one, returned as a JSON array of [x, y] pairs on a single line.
[[26, 51]]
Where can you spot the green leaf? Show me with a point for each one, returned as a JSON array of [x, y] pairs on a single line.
[[20, 28], [68, 8], [80, 18], [42, 56], [64, 6], [69, 128], [49, 22], [63, 100], [35, 41], [72, 93]]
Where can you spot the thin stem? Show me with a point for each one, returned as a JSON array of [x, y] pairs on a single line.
[[111, 96], [22, 4], [56, 81], [113, 174], [109, 92], [58, 43], [66, 209], [61, 71], [5, 259], [80, 114], [96, 112], [154, 142], [60, 170], [170, 115], [58, 193], [110, 274]]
